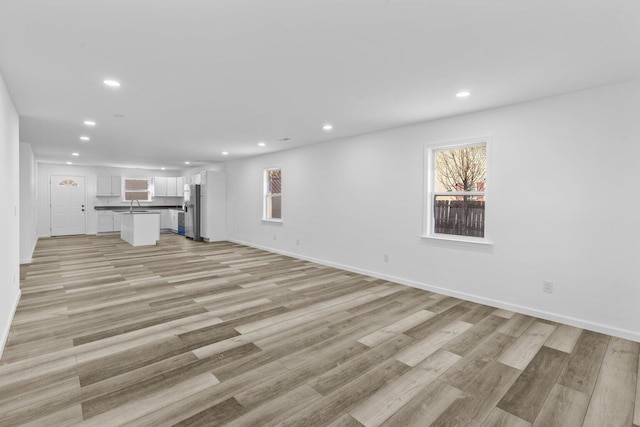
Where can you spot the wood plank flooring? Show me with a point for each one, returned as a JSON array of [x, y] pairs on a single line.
[[202, 334]]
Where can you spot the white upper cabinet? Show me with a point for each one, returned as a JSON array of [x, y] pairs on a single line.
[[180, 181], [172, 186], [160, 186], [109, 186], [168, 186]]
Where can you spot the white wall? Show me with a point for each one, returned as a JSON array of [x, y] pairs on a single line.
[[9, 214], [28, 203], [563, 203], [46, 170]]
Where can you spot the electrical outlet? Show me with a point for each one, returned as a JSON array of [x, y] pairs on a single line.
[[547, 287], [386, 257]]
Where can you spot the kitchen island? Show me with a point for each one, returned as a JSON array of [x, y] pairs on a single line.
[[140, 228]]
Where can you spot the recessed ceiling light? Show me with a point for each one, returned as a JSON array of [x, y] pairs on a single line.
[[85, 138], [162, 168], [225, 153], [187, 163], [261, 144], [69, 163], [463, 94], [111, 83], [75, 154], [327, 127], [89, 123]]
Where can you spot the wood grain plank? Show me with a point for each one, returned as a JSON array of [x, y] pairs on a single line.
[[427, 346], [218, 414], [500, 418], [426, 406], [524, 349], [473, 364], [613, 399], [64, 417], [329, 408], [396, 328], [564, 338], [389, 399], [136, 409], [278, 409], [339, 376], [564, 407], [482, 394], [527, 395], [345, 421], [470, 339], [584, 363]]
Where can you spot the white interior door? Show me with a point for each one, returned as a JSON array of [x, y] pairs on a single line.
[[68, 212]]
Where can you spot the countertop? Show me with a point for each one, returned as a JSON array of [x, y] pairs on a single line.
[[123, 208], [141, 213]]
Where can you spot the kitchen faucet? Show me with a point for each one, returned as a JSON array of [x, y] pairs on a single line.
[[131, 208]]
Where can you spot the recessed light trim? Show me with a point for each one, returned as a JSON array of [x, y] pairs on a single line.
[[163, 168], [89, 123], [85, 138], [111, 83], [75, 154], [327, 127], [69, 163], [225, 153], [187, 163], [463, 94], [262, 144]]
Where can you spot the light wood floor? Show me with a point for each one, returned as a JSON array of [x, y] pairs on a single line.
[[221, 334]]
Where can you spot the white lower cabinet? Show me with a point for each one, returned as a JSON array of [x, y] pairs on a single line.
[[109, 221], [105, 222], [165, 220], [173, 220], [117, 221]]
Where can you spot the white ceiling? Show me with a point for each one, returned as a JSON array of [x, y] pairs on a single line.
[[204, 76]]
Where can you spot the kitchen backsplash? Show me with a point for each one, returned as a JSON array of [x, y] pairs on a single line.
[[117, 201]]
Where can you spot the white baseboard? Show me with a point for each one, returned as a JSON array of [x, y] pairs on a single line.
[[555, 317], [5, 331]]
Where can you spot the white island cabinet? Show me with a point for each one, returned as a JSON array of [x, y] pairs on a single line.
[[140, 228]]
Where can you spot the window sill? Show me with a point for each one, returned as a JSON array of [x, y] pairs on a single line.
[[271, 220], [459, 239]]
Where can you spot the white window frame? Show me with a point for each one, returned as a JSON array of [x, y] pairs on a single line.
[[430, 191], [149, 190], [265, 194]]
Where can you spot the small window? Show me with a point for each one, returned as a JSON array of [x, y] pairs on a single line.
[[456, 195], [136, 189], [272, 194]]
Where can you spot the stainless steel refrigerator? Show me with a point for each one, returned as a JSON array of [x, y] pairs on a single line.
[[192, 211]]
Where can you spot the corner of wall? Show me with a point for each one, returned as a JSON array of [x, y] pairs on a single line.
[[4, 333]]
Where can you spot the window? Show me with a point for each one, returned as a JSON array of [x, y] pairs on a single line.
[[272, 194], [136, 189], [456, 191]]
